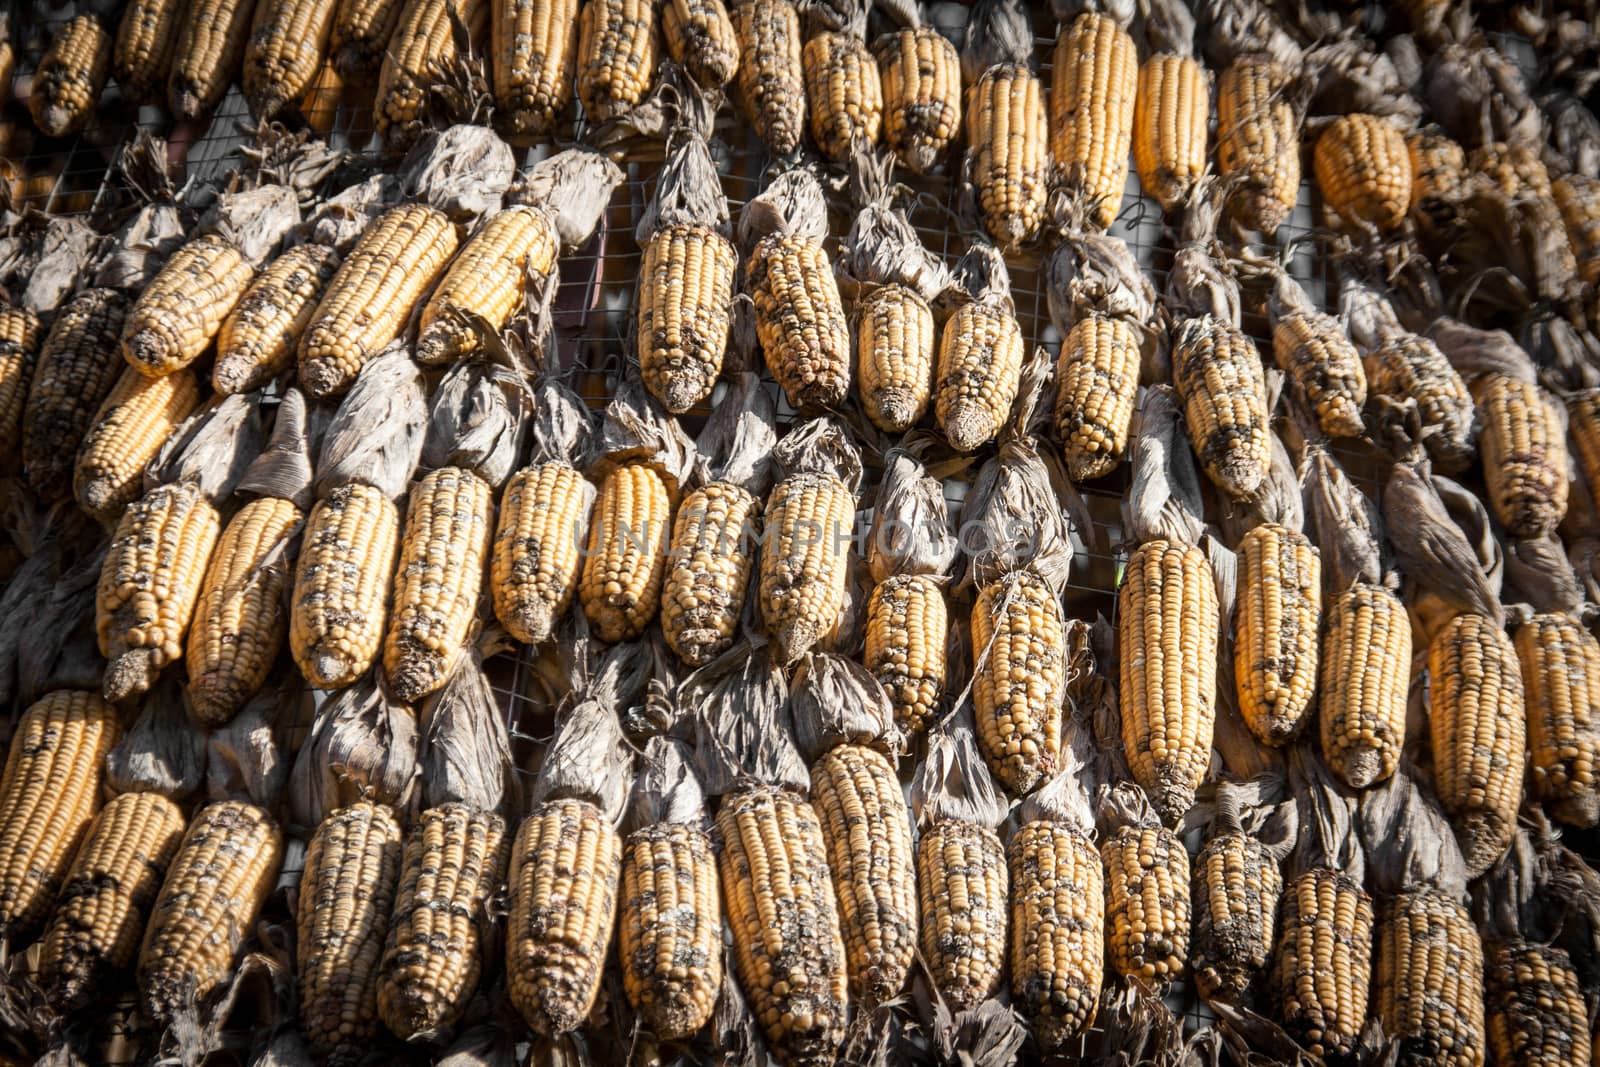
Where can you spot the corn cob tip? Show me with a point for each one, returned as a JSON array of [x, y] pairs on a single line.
[[131, 673], [796, 638], [1581, 809], [167, 990], [553, 1009], [418, 671], [684, 391], [529, 620], [322, 377], [185, 103], [99, 497], [328, 671], [968, 426], [1482, 836], [54, 120], [1173, 796], [437, 345], [216, 695], [897, 407], [233, 375], [147, 351], [1087, 466], [1362, 767]]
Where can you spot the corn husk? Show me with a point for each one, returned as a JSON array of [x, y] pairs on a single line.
[[285, 1048], [590, 759], [574, 187], [463, 171], [1164, 499], [283, 469], [22, 602], [1474, 352], [484, 1045], [212, 448], [162, 752], [1540, 572], [1068, 797], [480, 410], [59, 648], [743, 736], [637, 429], [688, 188], [362, 746], [1259, 806], [1327, 834], [141, 245], [465, 753], [654, 712], [1096, 273], [736, 1040], [998, 31], [882, 247], [836, 701], [1233, 29], [1408, 839], [1574, 132], [982, 276], [1351, 76], [562, 426], [822, 445], [1345, 524], [737, 443], [910, 532], [376, 434], [340, 220], [248, 758], [1169, 27], [792, 205], [254, 221], [1200, 283], [1277, 499], [47, 264], [953, 783], [666, 789]]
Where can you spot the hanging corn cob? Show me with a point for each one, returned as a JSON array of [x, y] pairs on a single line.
[[1366, 655], [844, 94], [1364, 171], [146, 38], [1438, 181], [132, 424], [1312, 348], [980, 354], [1237, 884], [1172, 109], [1258, 140], [617, 51], [920, 72], [771, 80], [66, 85], [359, 37], [422, 48], [534, 50], [1147, 890], [78, 367], [1583, 423], [257, 340], [1561, 684], [211, 43], [1008, 147], [20, 337], [701, 38], [1276, 622], [1525, 459], [1578, 198], [288, 40], [1095, 80]]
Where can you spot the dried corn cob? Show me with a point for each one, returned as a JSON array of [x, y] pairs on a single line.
[[1561, 686], [1147, 903], [129, 429], [1091, 112], [1536, 1011], [894, 353], [1170, 126], [701, 38], [20, 337], [488, 279], [66, 85], [1366, 660], [1313, 349], [1258, 141], [708, 572], [395, 261], [48, 798], [150, 582], [1236, 889], [535, 45], [771, 80], [626, 552], [617, 49], [209, 901], [844, 95], [980, 355], [1098, 381], [288, 40], [543, 514], [341, 585], [1583, 419], [1219, 378], [1578, 198], [907, 629], [962, 883], [146, 39], [78, 366], [1019, 681], [183, 307], [1324, 961], [94, 932], [1516, 169], [1364, 171], [1438, 177], [360, 36], [1008, 154], [346, 892], [422, 48], [1276, 617], [920, 73], [1406, 365], [258, 338], [1429, 980], [211, 45], [1524, 456]]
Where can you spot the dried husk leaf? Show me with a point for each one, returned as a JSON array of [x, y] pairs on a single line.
[[822, 445], [836, 701], [882, 247], [1163, 500], [1505, 900], [736, 1040], [485, 1045], [1539, 571], [59, 648], [953, 783], [981, 273], [735, 447], [163, 751], [846, 16], [792, 205], [1584, 555], [63, 254], [341, 219], [463, 171], [1236, 28], [743, 735], [1200, 283], [1352, 76], [1327, 835], [479, 412], [1431, 550], [1261, 807], [376, 434], [1344, 523], [1474, 352], [255, 221], [1570, 889], [22, 602], [1408, 839], [247, 759], [1368, 317], [998, 31], [654, 712], [1574, 132], [285, 1048], [637, 429], [910, 531], [574, 187], [141, 245], [688, 188], [563, 427], [1092, 273], [1123, 803], [214, 447], [1169, 27], [666, 789], [590, 758], [362, 746], [1277, 499], [283, 469], [466, 752], [1063, 799]]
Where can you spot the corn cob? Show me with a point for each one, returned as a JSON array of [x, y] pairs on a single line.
[[617, 48], [129, 429], [487, 278], [1258, 142], [78, 366], [844, 95], [685, 306], [771, 80], [708, 571], [346, 893], [670, 940], [1008, 155], [360, 36], [536, 567], [1277, 611], [980, 361], [257, 340], [700, 37], [395, 261], [1438, 177], [1057, 929], [341, 585], [920, 74], [454, 861], [962, 885], [20, 337], [1019, 681], [800, 320], [1091, 111], [1561, 686], [240, 620], [1236, 889], [150, 582], [1098, 381], [535, 45], [894, 356], [1536, 1011], [209, 901], [1324, 961], [8, 68], [1219, 378], [1583, 419], [146, 38], [626, 553], [1364, 171], [1524, 457], [66, 85], [422, 48], [809, 523], [1406, 365], [1366, 658], [94, 932], [1516, 169], [1319, 357], [1172, 112], [183, 307], [211, 45], [907, 629], [48, 798], [1147, 903], [1578, 198], [288, 40], [1429, 980]]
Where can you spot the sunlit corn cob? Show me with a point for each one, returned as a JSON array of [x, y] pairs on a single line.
[[258, 338], [807, 530], [708, 572], [1438, 175], [625, 559], [535, 47], [129, 429], [487, 278], [183, 307], [1536, 1011], [1236, 891], [979, 370], [921, 78], [908, 627], [210, 46], [1019, 640], [20, 337], [346, 892], [544, 514], [240, 621], [48, 798], [844, 95], [360, 35], [1409, 366], [962, 885], [1258, 142], [1319, 357], [565, 869], [77, 368], [454, 864], [1147, 903], [150, 582], [1524, 454], [8, 68], [1429, 980], [1561, 687], [436, 585], [894, 356], [1224, 391], [1057, 930], [288, 39], [1364, 170], [1276, 616], [1167, 611], [1366, 670], [1097, 382], [800, 319], [617, 47], [1008, 152], [341, 585], [700, 37], [685, 306], [95, 929], [1323, 965], [1095, 81], [670, 936], [1583, 419], [146, 38], [209, 902], [66, 85], [1578, 198], [1516, 169], [867, 833], [1171, 116], [320, 104], [371, 296], [1479, 732], [770, 79], [422, 48]]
